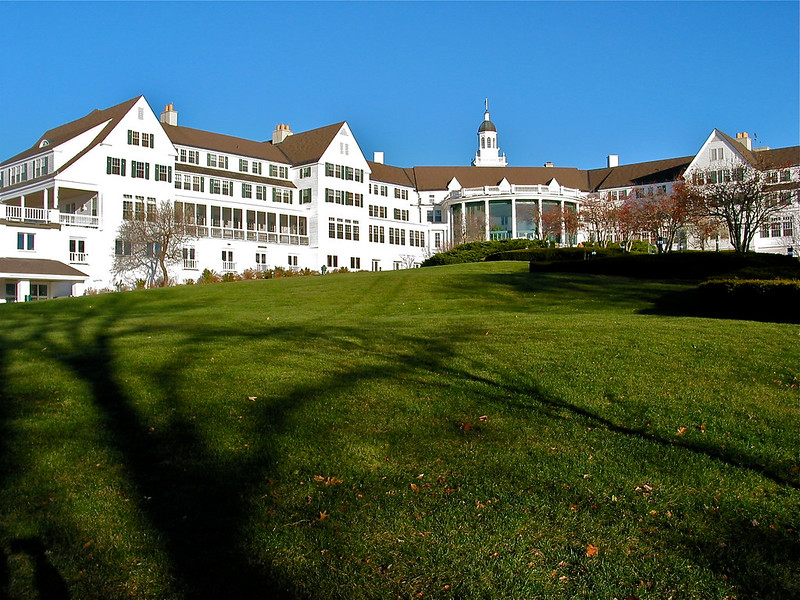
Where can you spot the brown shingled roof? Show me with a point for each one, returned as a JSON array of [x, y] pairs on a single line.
[[308, 146], [40, 267], [437, 178], [66, 132], [390, 174], [779, 157], [186, 136], [655, 171]]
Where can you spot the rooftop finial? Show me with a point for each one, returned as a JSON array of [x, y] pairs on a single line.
[[486, 102], [486, 114]]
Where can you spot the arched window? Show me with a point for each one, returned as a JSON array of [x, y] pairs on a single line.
[[483, 142], [489, 142]]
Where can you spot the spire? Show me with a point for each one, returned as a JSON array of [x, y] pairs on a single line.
[[488, 154]]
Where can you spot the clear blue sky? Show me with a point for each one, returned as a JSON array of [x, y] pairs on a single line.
[[567, 82]]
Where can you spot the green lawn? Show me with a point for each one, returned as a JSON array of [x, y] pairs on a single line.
[[470, 431]]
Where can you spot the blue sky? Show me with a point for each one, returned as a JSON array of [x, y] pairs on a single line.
[[567, 82]]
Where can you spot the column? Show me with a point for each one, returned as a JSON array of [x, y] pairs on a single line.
[[513, 218], [486, 234]]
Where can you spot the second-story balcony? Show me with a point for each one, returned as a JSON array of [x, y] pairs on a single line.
[[495, 190], [80, 258], [27, 214]]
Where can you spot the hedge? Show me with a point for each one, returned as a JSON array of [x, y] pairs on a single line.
[[478, 251], [556, 254], [765, 300], [688, 265]]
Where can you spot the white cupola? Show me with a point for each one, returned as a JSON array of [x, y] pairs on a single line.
[[488, 154]]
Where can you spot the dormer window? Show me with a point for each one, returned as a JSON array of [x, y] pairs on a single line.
[[44, 143]]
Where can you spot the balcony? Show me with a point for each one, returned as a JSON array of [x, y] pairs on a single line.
[[536, 190], [190, 263], [78, 220], [228, 266], [80, 258], [27, 214]]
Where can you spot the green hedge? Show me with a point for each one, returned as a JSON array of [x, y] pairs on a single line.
[[556, 254], [478, 251], [765, 300], [687, 265]]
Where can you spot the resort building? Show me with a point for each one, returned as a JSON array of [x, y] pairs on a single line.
[[306, 200]]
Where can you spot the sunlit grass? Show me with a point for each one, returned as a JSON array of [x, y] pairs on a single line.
[[452, 432]]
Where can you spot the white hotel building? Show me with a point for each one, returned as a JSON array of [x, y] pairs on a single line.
[[300, 200]]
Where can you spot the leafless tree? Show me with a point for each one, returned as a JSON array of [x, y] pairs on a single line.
[[149, 242]]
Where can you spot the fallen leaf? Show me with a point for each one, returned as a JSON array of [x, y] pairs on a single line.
[[681, 431], [323, 515], [415, 487], [252, 398], [466, 426], [484, 418], [591, 550]]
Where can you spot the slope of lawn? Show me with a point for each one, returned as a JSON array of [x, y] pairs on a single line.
[[470, 431]]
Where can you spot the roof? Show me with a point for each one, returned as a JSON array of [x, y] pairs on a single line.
[[437, 178], [779, 157], [40, 267], [308, 146], [186, 136], [487, 125], [68, 131], [655, 171], [390, 174], [748, 155]]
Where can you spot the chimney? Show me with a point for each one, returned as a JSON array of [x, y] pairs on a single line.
[[613, 160], [377, 157], [170, 115], [744, 139], [281, 132], [549, 165]]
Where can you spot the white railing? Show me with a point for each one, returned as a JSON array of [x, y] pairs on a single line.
[[23, 213], [78, 257], [539, 190], [189, 263], [228, 266], [78, 220]]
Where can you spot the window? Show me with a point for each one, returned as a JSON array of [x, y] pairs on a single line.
[[292, 260], [788, 226], [355, 262], [140, 113], [786, 174], [261, 192], [261, 259], [305, 172], [776, 226], [717, 154], [114, 166], [434, 216], [189, 258], [127, 209], [140, 170], [247, 190], [214, 186], [163, 173], [243, 165], [305, 196], [281, 195], [197, 183], [40, 167], [217, 160], [437, 239], [280, 172], [25, 241], [376, 264], [38, 291], [77, 251], [333, 261], [122, 248], [190, 156], [256, 167], [227, 187]]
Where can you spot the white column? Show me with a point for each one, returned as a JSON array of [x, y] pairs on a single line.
[[513, 218], [23, 289], [539, 217], [563, 229], [486, 228]]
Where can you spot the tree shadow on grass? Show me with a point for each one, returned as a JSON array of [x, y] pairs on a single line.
[[196, 499]]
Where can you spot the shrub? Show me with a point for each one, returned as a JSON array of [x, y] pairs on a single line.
[[208, 276], [772, 300], [689, 265], [478, 251], [556, 254]]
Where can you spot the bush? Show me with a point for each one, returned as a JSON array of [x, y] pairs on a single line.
[[478, 251], [689, 265], [771, 300], [556, 254]]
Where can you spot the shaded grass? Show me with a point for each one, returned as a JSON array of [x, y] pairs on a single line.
[[133, 454]]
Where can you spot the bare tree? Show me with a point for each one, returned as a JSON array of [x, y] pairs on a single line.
[[739, 195], [150, 242], [597, 216], [662, 216]]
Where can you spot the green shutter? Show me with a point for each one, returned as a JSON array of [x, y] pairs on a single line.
[[155, 175], [130, 136], [169, 174], [122, 167], [108, 165], [208, 160], [152, 140], [133, 168], [147, 170], [202, 183]]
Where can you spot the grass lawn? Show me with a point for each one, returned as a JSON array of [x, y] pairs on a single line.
[[470, 431]]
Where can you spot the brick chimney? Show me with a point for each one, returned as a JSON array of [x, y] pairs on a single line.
[[745, 140]]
